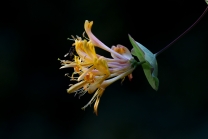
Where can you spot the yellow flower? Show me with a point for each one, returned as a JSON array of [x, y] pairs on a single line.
[[96, 72]]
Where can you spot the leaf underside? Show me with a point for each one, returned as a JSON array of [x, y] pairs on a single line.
[[150, 66]]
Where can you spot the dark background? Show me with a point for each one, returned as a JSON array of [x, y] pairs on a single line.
[[33, 99]]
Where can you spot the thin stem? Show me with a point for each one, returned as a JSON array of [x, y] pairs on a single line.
[[183, 32]]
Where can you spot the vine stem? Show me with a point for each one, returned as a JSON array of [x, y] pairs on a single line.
[[166, 47]]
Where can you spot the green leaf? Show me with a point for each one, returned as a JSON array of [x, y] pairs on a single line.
[[206, 1], [150, 66]]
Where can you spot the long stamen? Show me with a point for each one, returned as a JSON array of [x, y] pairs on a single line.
[[91, 101]]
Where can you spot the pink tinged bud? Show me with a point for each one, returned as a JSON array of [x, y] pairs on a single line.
[[122, 50]]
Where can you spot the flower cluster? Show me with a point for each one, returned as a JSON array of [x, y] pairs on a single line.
[[96, 72]]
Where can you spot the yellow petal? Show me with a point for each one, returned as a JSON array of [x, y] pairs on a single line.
[[85, 50], [76, 87], [102, 66], [95, 85], [90, 50], [68, 65], [88, 25]]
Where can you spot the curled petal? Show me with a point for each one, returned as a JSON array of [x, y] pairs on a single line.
[[76, 87], [81, 50], [93, 39], [88, 25], [102, 66], [89, 49], [122, 50], [113, 55], [68, 65], [100, 92], [96, 41]]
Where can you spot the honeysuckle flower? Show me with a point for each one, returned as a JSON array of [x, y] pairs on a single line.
[[95, 72]]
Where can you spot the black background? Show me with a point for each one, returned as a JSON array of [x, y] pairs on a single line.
[[33, 99]]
